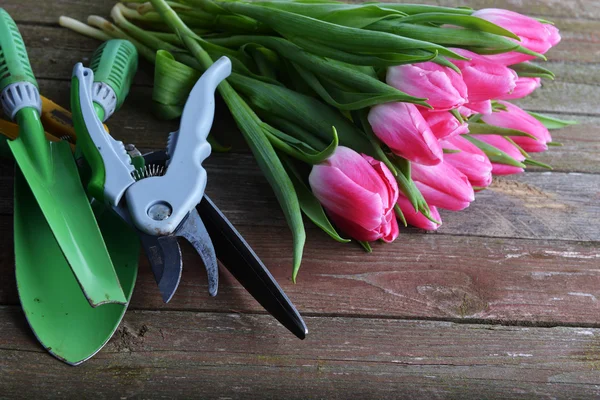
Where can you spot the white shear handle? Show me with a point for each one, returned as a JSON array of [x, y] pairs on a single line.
[[159, 204]]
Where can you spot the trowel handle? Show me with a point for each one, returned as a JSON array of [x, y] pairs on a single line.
[[14, 63], [18, 87], [19, 93], [114, 64]]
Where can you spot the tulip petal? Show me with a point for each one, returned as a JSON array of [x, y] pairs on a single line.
[[481, 107], [417, 219], [534, 34], [342, 196], [503, 169], [517, 118], [404, 130], [471, 161], [484, 78], [443, 87], [446, 179], [444, 124], [440, 199], [354, 230], [525, 86], [359, 170], [388, 179]]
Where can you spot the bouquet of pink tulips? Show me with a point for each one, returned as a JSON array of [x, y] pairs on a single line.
[[363, 117]]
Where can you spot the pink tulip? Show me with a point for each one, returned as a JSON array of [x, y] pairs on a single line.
[[501, 143], [443, 186], [466, 112], [443, 124], [516, 118], [534, 35], [471, 161], [443, 87], [359, 194], [417, 219], [485, 78], [404, 130], [482, 107], [525, 86]]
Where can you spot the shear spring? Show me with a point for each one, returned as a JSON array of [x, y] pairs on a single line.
[[148, 171]]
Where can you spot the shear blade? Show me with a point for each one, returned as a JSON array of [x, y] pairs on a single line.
[[241, 261], [194, 231], [164, 255]]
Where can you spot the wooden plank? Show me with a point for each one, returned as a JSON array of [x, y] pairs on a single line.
[[513, 281], [533, 205], [184, 354], [581, 146]]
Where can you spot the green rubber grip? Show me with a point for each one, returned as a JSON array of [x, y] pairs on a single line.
[[115, 63], [14, 62]]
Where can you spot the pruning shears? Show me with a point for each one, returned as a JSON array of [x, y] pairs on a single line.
[[163, 199]]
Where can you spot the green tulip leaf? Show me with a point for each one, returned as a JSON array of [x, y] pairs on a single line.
[[478, 128], [297, 148], [551, 122], [493, 153], [465, 21], [530, 70]]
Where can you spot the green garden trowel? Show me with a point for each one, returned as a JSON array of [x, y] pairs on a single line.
[[50, 172], [56, 309]]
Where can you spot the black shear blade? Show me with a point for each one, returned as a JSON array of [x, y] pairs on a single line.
[[164, 255], [241, 261]]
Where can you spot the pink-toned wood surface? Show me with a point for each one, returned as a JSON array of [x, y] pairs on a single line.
[[501, 302]]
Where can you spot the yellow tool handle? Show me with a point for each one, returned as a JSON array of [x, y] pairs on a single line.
[[57, 120], [11, 131]]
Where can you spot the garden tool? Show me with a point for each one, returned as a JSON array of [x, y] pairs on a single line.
[[51, 174], [240, 260], [113, 66], [58, 313], [160, 200], [55, 307]]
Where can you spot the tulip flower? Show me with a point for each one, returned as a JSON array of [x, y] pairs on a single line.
[[525, 86], [485, 78], [417, 219], [516, 118], [534, 35], [443, 87], [501, 143], [482, 107], [471, 161], [404, 130], [443, 186], [358, 193], [443, 124]]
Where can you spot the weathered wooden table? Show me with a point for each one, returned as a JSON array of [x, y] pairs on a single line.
[[502, 302]]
